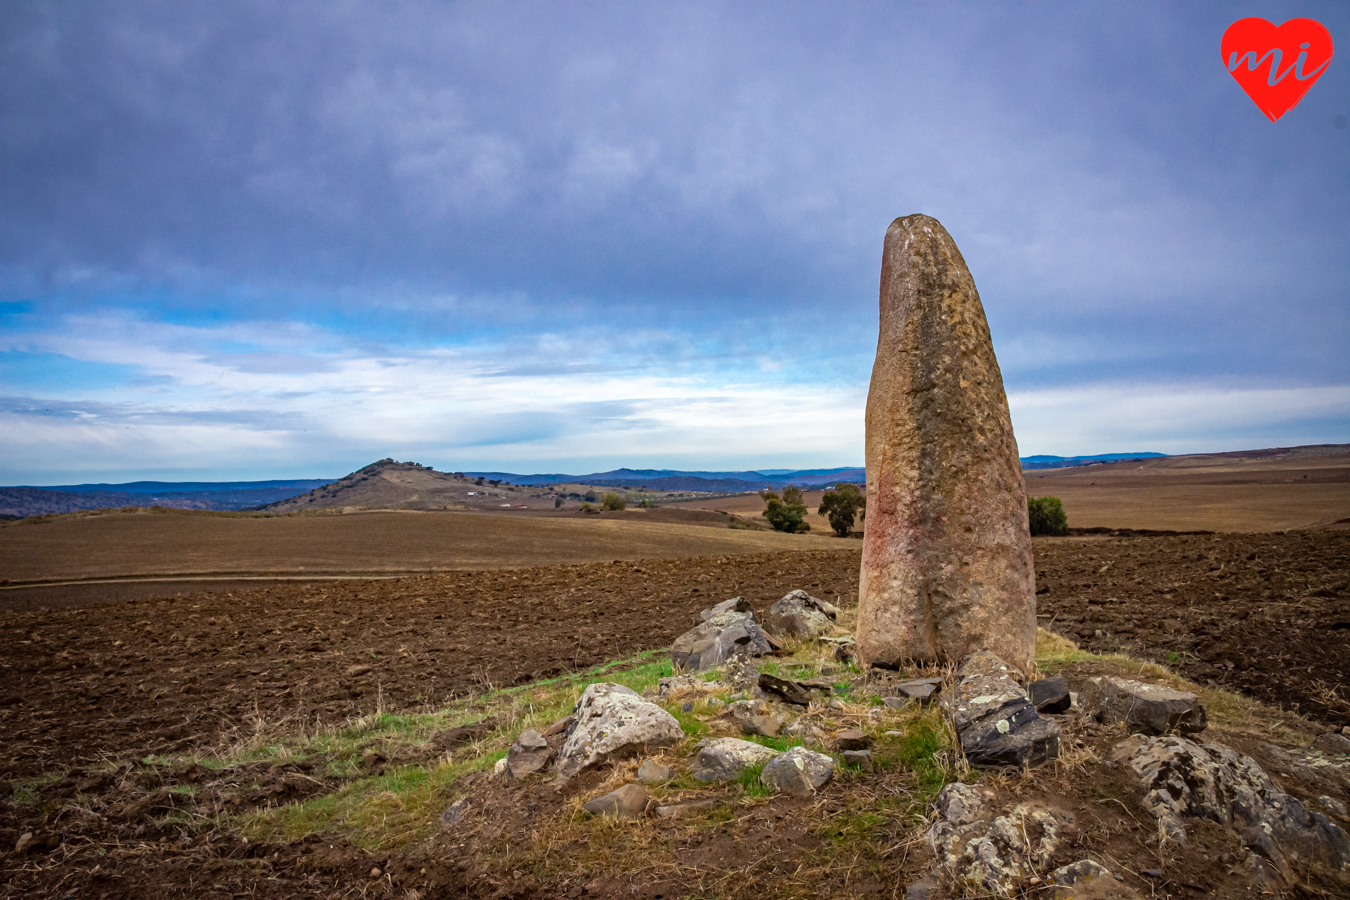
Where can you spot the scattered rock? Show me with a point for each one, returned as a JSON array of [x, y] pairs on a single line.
[[1143, 708], [1332, 805], [559, 726], [718, 638], [766, 726], [852, 739], [454, 812], [376, 872], [357, 670], [687, 706], [528, 755], [613, 722], [448, 740], [628, 802], [791, 691], [684, 808], [668, 687], [1182, 779], [922, 691], [799, 615], [994, 718], [734, 605], [500, 767], [896, 702], [923, 889], [724, 759], [653, 772], [995, 857], [858, 759], [1332, 743], [1050, 695], [1087, 880], [24, 840], [798, 772], [946, 560]]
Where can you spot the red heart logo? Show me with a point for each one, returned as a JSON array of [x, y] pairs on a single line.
[[1276, 66]]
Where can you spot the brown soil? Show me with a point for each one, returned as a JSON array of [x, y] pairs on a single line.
[[178, 543], [158, 676]]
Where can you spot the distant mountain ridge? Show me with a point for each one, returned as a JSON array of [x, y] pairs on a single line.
[[17, 502]]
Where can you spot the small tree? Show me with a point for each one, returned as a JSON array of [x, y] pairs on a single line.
[[589, 496], [1046, 516], [788, 513], [557, 502], [841, 505], [611, 502]]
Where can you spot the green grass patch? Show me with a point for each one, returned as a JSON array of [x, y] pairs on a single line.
[[749, 782]]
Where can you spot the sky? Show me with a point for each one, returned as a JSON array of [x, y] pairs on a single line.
[[256, 240]]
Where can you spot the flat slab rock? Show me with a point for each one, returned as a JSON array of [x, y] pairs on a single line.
[[1182, 780], [724, 759], [628, 802], [613, 722], [1143, 708], [994, 718], [529, 754], [1050, 695]]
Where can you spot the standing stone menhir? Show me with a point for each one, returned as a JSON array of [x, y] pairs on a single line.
[[946, 566]]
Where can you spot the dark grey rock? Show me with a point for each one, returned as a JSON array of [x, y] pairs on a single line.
[[921, 691], [994, 718], [1050, 695], [791, 691], [1143, 708], [628, 802]]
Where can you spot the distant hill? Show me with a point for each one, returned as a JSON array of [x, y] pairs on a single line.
[[1064, 462], [17, 502]]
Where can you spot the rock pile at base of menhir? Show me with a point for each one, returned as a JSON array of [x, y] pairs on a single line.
[[1142, 708], [725, 631], [994, 718], [799, 615], [611, 721]]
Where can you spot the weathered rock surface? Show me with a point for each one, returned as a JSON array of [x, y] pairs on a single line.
[[798, 772], [653, 772], [763, 725], [683, 808], [1050, 695], [1088, 880], [799, 615], [1143, 708], [994, 718], [792, 691], [628, 802], [724, 759], [1182, 779], [1337, 744], [921, 690], [946, 568], [528, 755], [728, 630], [612, 722], [993, 855]]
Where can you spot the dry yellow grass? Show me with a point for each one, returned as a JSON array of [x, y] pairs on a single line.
[[119, 545]]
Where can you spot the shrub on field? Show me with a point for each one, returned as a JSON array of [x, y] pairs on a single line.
[[1046, 515], [841, 505], [557, 502], [788, 513], [611, 502], [587, 508]]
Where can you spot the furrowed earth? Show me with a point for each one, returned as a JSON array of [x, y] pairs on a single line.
[[302, 739]]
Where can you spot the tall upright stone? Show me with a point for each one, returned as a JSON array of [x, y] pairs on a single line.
[[946, 565]]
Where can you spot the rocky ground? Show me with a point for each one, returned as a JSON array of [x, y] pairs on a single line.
[[233, 745]]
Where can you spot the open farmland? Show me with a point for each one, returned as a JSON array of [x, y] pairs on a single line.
[[123, 545], [1264, 490]]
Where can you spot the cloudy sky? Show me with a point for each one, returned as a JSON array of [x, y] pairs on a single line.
[[258, 240]]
